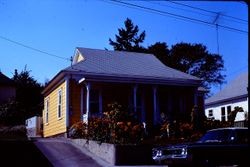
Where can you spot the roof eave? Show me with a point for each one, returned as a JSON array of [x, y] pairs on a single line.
[[225, 100], [136, 79], [59, 76]]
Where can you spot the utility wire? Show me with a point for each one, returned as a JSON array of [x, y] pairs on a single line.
[[209, 11], [32, 48], [178, 8], [146, 10], [237, 20], [177, 16]]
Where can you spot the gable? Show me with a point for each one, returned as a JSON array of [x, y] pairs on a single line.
[[78, 57]]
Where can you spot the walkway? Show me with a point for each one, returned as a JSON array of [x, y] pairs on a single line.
[[61, 152]]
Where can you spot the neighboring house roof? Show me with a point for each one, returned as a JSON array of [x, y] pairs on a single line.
[[4, 80], [122, 66], [236, 89]]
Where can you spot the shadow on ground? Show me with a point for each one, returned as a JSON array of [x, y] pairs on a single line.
[[16, 153]]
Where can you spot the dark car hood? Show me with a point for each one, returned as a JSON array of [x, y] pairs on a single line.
[[174, 146]]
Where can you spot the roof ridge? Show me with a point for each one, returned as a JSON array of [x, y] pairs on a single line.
[[132, 52]]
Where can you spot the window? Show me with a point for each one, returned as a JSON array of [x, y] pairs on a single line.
[[94, 102], [210, 113], [223, 116], [139, 105], [228, 112], [59, 106], [47, 111]]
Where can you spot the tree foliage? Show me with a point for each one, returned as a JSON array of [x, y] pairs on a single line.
[[128, 38], [193, 59], [28, 101], [28, 93]]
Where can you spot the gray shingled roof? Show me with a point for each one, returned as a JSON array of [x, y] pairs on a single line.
[[235, 89], [126, 64]]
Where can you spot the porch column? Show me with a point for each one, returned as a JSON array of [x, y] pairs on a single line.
[[86, 117], [195, 98], [156, 114], [82, 95], [100, 101], [135, 97], [143, 114]]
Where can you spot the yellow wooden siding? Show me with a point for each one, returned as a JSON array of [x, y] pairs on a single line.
[[55, 125], [75, 102]]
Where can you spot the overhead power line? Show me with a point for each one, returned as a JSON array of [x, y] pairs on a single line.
[[179, 8], [32, 48], [205, 10], [177, 16]]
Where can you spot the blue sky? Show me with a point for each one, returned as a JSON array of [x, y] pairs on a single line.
[[56, 27]]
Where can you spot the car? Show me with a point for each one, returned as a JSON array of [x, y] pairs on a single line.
[[217, 147]]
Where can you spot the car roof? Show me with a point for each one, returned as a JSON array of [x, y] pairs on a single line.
[[229, 128]]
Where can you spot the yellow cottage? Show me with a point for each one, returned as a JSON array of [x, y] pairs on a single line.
[[136, 80]]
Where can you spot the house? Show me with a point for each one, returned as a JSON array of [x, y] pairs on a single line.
[[34, 126], [234, 94], [7, 88], [136, 80]]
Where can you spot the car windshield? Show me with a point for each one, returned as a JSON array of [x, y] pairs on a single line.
[[216, 136]]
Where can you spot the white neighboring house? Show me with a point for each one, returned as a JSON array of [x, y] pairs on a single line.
[[234, 94], [34, 126]]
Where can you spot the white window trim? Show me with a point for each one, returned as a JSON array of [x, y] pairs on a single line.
[[46, 112], [59, 92]]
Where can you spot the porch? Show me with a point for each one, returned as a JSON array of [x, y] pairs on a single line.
[[149, 103]]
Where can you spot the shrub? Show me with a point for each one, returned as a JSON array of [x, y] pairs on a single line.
[[212, 124], [11, 114], [116, 126], [99, 129], [78, 130], [13, 132]]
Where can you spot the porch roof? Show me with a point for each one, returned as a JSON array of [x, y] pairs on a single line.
[[104, 64]]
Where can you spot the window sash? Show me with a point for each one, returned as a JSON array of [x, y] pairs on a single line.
[[223, 114], [59, 106], [47, 111], [210, 113], [228, 111]]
